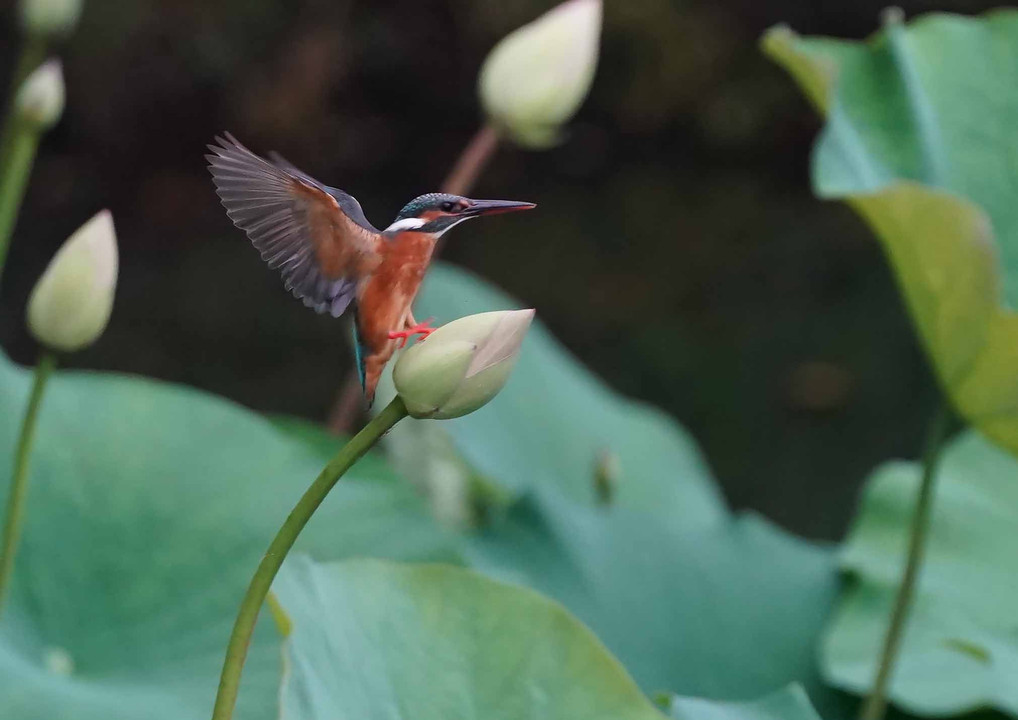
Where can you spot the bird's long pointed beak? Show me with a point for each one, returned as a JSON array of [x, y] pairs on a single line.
[[494, 207]]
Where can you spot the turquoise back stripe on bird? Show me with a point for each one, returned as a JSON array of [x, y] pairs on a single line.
[[328, 253], [358, 352]]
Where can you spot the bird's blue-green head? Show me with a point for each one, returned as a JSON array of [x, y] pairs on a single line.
[[435, 213]]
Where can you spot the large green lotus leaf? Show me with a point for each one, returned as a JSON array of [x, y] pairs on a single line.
[[373, 640], [960, 649], [686, 608], [552, 423], [790, 703], [148, 510], [920, 141]]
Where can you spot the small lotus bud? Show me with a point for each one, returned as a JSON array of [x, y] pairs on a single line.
[[40, 99], [606, 476], [71, 304], [536, 78], [462, 365], [50, 17]]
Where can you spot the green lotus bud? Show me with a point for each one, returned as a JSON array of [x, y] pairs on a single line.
[[40, 99], [462, 365], [606, 476], [50, 17], [537, 77], [71, 304]]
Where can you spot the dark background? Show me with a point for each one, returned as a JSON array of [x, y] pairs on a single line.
[[677, 249]]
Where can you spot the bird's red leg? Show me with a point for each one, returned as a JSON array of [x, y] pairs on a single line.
[[423, 329]]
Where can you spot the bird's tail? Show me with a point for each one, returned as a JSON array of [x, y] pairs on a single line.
[[358, 355]]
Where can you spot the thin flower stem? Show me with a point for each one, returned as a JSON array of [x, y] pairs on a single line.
[[469, 166], [15, 168], [471, 162], [240, 638], [33, 52], [19, 478], [18, 144], [876, 703]]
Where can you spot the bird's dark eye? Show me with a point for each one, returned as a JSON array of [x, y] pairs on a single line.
[[447, 206]]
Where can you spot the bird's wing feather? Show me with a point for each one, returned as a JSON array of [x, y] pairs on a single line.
[[298, 226], [283, 164], [347, 202]]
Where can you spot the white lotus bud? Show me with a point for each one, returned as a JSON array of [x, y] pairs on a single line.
[[40, 99], [50, 17], [462, 365], [537, 77], [71, 304]]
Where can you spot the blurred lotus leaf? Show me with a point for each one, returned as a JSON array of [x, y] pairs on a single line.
[[919, 140], [790, 703], [665, 577], [149, 508], [373, 639], [554, 419], [678, 603], [675, 600], [960, 648]]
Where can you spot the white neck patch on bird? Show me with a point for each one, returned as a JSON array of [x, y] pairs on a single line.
[[405, 224]]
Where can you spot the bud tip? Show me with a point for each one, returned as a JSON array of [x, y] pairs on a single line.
[[40, 99], [71, 303]]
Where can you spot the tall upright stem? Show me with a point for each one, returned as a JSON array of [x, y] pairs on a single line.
[[876, 703], [33, 52], [19, 478], [18, 144], [18, 155], [471, 162], [243, 628]]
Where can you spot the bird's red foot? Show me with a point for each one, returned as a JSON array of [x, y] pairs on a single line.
[[423, 329]]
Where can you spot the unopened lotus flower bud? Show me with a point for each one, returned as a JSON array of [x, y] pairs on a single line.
[[40, 99], [606, 476], [71, 304], [462, 365], [537, 77], [50, 17]]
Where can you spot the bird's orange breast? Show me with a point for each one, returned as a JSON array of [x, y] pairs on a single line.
[[386, 295]]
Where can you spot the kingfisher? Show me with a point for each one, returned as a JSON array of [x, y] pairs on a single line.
[[328, 253]]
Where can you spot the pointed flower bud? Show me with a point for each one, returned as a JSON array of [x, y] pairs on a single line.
[[71, 304], [606, 476], [40, 99], [50, 17], [462, 365], [537, 77]]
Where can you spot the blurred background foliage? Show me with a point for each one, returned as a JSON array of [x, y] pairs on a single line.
[[677, 249]]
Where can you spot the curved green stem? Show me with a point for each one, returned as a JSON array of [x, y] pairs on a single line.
[[876, 703], [15, 167], [243, 627], [18, 143], [19, 478], [33, 52]]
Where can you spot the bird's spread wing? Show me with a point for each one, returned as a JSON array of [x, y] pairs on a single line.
[[347, 203], [316, 236]]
